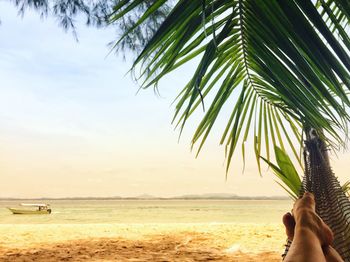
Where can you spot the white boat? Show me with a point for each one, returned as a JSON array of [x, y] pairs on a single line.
[[31, 209]]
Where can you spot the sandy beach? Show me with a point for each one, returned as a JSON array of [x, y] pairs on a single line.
[[142, 242]]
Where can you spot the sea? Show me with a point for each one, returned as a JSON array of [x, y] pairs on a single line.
[[151, 211]]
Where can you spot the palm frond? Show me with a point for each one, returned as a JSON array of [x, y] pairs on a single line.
[[285, 171], [346, 188], [277, 64]]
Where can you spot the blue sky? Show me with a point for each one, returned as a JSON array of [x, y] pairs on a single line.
[[72, 124]]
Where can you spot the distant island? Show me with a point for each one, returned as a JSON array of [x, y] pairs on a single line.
[[212, 196]]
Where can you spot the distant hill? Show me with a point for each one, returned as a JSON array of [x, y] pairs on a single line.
[[230, 196], [145, 196], [209, 196]]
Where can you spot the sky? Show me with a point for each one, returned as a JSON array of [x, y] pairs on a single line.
[[72, 125]]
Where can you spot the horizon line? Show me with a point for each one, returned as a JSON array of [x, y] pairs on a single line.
[[150, 197]]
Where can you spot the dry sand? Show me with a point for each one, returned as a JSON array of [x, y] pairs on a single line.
[[142, 242]]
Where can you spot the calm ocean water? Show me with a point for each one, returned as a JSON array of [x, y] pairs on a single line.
[[152, 211]]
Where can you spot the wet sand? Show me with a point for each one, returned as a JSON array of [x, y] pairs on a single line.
[[142, 242]]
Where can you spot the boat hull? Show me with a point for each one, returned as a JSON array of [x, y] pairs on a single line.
[[29, 212]]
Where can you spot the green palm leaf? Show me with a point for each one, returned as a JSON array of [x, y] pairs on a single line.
[[276, 63], [286, 173]]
